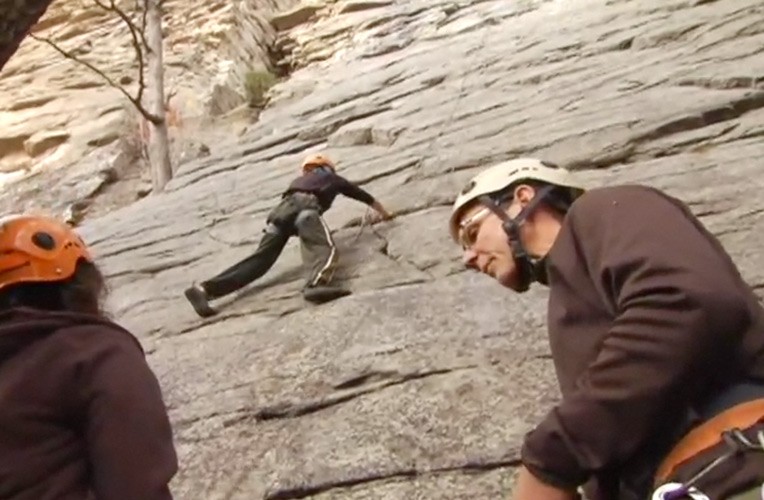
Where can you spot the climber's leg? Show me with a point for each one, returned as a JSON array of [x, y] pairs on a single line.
[[319, 254], [253, 267], [240, 274]]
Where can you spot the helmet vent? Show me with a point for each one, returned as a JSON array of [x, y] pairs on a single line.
[[470, 185], [44, 241]]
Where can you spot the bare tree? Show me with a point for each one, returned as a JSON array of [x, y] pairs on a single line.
[[159, 144], [149, 101]]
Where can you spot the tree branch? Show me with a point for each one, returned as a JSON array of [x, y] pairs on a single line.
[[172, 93], [135, 34], [138, 105], [143, 21]]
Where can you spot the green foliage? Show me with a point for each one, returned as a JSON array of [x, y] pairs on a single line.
[[256, 84]]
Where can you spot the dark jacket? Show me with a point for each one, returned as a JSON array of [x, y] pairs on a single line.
[[81, 413], [648, 318], [326, 186]]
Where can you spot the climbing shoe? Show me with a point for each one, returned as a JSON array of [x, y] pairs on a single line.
[[322, 293], [198, 298]]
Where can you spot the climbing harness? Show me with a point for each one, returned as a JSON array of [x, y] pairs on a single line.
[[736, 441], [666, 492]]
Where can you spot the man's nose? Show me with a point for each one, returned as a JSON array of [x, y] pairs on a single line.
[[469, 258]]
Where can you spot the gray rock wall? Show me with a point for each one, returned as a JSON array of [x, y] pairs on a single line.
[[55, 113], [247, 48], [422, 384]]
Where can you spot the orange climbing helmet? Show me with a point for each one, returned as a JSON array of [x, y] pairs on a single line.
[[38, 249], [315, 161]]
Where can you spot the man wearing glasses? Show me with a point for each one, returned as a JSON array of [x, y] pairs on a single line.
[[657, 342]]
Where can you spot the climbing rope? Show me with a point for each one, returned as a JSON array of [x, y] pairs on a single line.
[[456, 104], [367, 218]]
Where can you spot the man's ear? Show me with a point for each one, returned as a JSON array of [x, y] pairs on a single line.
[[524, 193]]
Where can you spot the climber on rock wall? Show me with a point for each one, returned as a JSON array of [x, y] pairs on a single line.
[[299, 213], [81, 413], [657, 342]]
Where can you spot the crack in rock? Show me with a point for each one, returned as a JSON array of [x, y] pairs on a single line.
[[244, 161], [446, 201], [292, 410], [729, 111], [365, 379], [727, 83], [630, 149], [400, 260], [471, 466], [387, 173]]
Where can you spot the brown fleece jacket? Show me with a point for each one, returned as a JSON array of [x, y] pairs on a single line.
[[648, 318], [81, 413]]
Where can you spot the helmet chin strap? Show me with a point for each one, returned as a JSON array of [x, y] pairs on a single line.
[[530, 268]]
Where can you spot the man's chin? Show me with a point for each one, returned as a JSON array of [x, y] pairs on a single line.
[[507, 280]]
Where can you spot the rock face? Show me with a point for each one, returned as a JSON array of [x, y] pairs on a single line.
[[209, 47], [422, 383]]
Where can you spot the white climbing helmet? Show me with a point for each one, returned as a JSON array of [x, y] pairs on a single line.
[[502, 175]]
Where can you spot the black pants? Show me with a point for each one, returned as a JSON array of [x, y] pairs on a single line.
[[297, 214]]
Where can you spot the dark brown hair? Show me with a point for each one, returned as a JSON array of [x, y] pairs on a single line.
[[82, 293], [558, 199]]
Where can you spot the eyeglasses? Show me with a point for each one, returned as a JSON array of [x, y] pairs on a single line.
[[469, 228]]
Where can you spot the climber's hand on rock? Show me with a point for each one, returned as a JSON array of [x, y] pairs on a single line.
[[378, 216], [383, 217], [373, 218], [387, 215], [381, 213]]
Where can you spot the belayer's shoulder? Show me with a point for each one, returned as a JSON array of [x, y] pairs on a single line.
[[100, 334], [632, 195]]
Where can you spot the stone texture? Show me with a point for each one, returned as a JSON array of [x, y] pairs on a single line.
[[356, 5], [298, 15], [350, 136], [43, 141], [208, 48], [422, 383]]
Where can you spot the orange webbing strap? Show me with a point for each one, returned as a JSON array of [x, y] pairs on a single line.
[[709, 434]]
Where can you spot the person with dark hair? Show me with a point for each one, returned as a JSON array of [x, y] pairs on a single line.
[[299, 214], [81, 412], [656, 339]]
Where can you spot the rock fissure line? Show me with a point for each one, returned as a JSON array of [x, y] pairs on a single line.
[[634, 148], [359, 221], [207, 322], [475, 466], [143, 244], [727, 83], [387, 173], [174, 185], [729, 111], [403, 261], [292, 410]]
